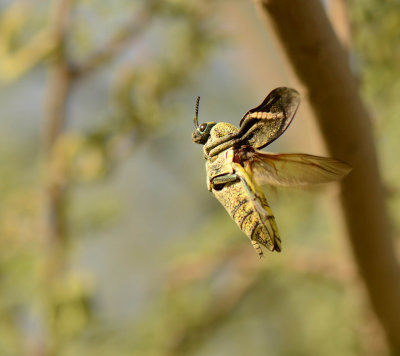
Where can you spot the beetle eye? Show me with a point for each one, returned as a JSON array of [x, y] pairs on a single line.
[[202, 127]]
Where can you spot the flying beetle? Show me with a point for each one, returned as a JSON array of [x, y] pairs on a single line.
[[236, 168]]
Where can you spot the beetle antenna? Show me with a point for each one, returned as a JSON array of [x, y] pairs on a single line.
[[195, 119]]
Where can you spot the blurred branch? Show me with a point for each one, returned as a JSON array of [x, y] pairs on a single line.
[[244, 274], [62, 76], [303, 262], [58, 91], [222, 304], [113, 47], [219, 309], [322, 66]]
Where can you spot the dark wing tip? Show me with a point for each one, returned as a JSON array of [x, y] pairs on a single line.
[[283, 99], [290, 100]]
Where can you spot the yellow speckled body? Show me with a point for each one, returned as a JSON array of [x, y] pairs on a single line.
[[242, 199]]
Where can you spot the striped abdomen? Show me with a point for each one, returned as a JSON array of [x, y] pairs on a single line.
[[255, 219]]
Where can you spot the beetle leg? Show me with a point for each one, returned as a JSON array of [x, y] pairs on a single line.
[[257, 248], [260, 204], [226, 178], [250, 187], [223, 173]]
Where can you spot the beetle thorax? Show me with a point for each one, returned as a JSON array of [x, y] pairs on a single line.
[[220, 130]]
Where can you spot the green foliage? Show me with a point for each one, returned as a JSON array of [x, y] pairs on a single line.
[[373, 21], [377, 49], [46, 303]]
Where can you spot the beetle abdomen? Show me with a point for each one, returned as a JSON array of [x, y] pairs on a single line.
[[257, 227]]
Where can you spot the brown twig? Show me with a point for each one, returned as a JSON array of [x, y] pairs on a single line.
[[58, 90], [59, 83]]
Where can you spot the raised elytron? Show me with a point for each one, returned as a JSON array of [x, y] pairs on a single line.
[[236, 169]]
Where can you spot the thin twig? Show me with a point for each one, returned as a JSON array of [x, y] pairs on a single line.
[[58, 91]]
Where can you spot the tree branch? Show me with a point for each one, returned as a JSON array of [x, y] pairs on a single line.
[[322, 66], [59, 83], [244, 274], [243, 278], [113, 47]]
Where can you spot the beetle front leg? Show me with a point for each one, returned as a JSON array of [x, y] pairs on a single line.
[[239, 173], [251, 189], [223, 179], [260, 205]]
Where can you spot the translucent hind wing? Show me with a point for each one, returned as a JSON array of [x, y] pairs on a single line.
[[290, 169]]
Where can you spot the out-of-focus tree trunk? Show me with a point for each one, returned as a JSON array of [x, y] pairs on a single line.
[[340, 21], [322, 66]]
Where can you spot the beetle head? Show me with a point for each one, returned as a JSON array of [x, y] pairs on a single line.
[[202, 132]]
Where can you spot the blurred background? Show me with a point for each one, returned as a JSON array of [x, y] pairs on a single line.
[[110, 243]]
